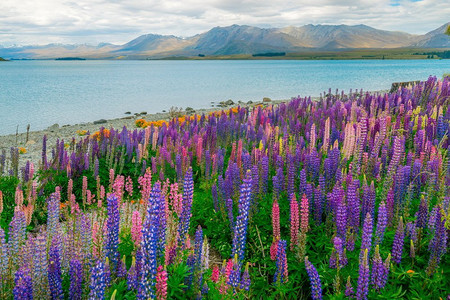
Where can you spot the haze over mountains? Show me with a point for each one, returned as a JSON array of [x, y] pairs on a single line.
[[237, 39]]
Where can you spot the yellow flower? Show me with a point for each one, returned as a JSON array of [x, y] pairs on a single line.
[[22, 150], [81, 132]]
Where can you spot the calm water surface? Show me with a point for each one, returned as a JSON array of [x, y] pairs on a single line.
[[42, 93]]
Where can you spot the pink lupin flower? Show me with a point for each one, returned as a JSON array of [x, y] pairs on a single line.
[[1, 202], [136, 227], [69, 189], [145, 184], [117, 187], [129, 186], [102, 196], [239, 155], [274, 249], [95, 239], [84, 189], [89, 197], [199, 149], [295, 221], [161, 283], [111, 178], [304, 214], [276, 220], [215, 274], [19, 197]]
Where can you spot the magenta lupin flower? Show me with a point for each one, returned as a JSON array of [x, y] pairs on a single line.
[[276, 220], [161, 283], [295, 221]]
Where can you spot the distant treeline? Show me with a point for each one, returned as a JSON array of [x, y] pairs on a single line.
[[441, 54], [70, 58], [270, 54]]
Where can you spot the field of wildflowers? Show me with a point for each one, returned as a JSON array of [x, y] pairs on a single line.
[[346, 197]]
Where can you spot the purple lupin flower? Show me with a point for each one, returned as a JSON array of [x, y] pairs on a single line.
[[353, 204], [198, 244], [368, 200], [112, 227], [23, 288], [240, 229], [17, 235], [381, 223], [76, 279], [245, 279], [99, 281], [379, 271], [349, 291], [338, 256], [399, 239], [229, 204], [53, 209], [341, 218], [316, 286], [363, 279], [54, 271], [132, 276], [149, 243], [3, 252], [185, 219], [281, 273], [438, 244], [366, 238]]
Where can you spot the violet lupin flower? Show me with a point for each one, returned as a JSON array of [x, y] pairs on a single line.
[[316, 286], [240, 229], [23, 288], [198, 245], [132, 276], [112, 227], [229, 204], [17, 235], [99, 281], [399, 239], [186, 213], [363, 279], [53, 208], [76, 279], [54, 271], [149, 243], [281, 273], [366, 238], [381, 223]]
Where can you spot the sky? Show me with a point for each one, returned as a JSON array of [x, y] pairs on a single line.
[[32, 22]]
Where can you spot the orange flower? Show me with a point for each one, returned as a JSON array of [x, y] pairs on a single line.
[[410, 272], [141, 123], [22, 150], [141, 201]]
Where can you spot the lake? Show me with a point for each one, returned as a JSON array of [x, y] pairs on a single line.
[[41, 93]]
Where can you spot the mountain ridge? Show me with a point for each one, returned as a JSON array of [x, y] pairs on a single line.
[[240, 39]]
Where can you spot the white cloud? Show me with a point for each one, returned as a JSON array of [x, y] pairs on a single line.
[[118, 21]]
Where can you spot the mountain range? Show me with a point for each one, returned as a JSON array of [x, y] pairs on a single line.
[[240, 39]]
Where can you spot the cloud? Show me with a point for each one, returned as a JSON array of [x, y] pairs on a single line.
[[118, 21]]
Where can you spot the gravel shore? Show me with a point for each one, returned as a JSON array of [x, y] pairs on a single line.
[[33, 144]]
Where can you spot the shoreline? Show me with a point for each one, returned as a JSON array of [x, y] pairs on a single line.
[[67, 132]]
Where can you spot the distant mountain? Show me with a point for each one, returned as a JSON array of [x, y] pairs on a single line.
[[237, 39], [434, 39]]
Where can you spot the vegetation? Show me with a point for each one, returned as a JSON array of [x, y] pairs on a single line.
[[346, 197]]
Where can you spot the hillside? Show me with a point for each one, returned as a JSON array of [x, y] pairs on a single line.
[[241, 40]]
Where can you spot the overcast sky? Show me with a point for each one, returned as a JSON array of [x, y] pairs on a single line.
[[26, 22]]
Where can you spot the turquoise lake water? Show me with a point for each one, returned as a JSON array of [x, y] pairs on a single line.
[[42, 93]]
